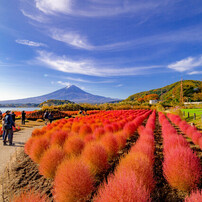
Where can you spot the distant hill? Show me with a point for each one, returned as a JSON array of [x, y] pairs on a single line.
[[54, 102], [71, 93], [192, 91]]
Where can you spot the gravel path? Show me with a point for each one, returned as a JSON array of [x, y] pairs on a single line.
[[6, 152]]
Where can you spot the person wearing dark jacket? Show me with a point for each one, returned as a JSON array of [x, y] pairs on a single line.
[[13, 116], [50, 117], [23, 117], [45, 116], [8, 127]]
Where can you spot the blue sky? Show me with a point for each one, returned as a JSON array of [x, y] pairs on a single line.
[[112, 48]]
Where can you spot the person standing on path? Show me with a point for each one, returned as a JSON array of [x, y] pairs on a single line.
[[45, 116], [50, 117], [8, 126], [13, 116], [23, 117], [3, 128], [1, 114]]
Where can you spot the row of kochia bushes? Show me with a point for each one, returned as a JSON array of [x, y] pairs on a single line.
[[133, 178], [75, 152], [188, 130], [181, 167]]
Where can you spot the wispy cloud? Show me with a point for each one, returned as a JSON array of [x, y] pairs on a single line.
[[187, 64], [96, 8], [52, 6], [29, 43], [89, 81], [80, 80], [71, 38], [87, 67], [195, 73], [64, 83], [37, 17], [119, 85]]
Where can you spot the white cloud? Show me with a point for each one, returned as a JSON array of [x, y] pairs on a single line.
[[87, 67], [195, 72], [37, 17], [29, 43], [64, 83], [88, 81], [51, 6], [96, 8], [71, 38], [187, 64], [119, 85]]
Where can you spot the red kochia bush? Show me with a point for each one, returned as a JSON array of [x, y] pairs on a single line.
[[195, 196], [37, 132], [30, 196], [50, 161], [182, 168], [29, 144], [200, 142], [140, 165], [129, 129], [99, 132], [58, 137], [109, 128], [38, 147], [73, 146], [121, 140], [195, 137], [85, 130], [122, 187], [95, 156], [73, 181], [110, 144]]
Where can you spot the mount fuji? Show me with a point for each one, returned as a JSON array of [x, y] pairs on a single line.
[[71, 93]]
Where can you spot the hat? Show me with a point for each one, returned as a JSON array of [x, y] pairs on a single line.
[[8, 111]]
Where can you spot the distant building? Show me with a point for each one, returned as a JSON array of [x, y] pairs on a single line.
[[192, 103], [151, 102]]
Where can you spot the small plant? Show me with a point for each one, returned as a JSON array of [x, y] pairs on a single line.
[[182, 168], [95, 156], [122, 187], [38, 148], [30, 196], [195, 196], [73, 181], [50, 160], [39, 120], [73, 146]]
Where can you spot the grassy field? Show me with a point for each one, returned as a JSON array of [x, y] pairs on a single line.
[[190, 119]]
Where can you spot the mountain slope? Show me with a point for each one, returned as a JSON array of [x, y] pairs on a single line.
[[72, 93], [192, 90]]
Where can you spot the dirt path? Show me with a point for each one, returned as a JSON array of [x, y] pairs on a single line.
[[19, 138]]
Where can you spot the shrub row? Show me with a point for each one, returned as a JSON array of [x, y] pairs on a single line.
[[190, 131], [133, 178], [181, 167]]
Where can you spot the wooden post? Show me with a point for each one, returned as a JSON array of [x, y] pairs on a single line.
[[188, 114], [183, 113], [194, 116]]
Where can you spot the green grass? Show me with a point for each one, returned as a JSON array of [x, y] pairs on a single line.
[[192, 111], [198, 112]]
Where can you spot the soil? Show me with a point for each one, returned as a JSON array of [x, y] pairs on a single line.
[[23, 175]]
